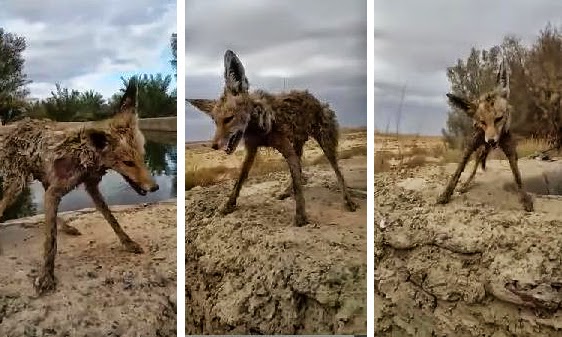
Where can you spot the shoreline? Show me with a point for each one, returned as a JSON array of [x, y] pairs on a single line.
[[35, 219]]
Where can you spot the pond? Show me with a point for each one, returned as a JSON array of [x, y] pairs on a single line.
[[161, 159]]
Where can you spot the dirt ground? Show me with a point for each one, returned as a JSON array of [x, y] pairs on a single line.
[[478, 266], [102, 290], [253, 272]]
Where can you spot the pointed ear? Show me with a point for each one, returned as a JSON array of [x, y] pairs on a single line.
[[205, 105], [502, 80], [461, 103], [128, 102], [235, 79], [99, 139]]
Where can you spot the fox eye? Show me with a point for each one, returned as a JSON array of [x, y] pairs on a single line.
[[228, 119], [129, 163], [498, 119]]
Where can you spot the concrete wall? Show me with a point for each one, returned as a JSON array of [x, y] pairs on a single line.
[[167, 124]]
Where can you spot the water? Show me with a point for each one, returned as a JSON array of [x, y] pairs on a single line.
[[161, 158]]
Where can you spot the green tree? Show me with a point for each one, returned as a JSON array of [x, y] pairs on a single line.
[[92, 106], [543, 78], [63, 105], [153, 94], [470, 79], [71, 105], [13, 80]]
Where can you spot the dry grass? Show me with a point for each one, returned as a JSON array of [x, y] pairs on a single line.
[[267, 160], [195, 176], [409, 151]]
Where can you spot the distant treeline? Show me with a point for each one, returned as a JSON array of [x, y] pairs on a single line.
[[156, 96], [535, 83]]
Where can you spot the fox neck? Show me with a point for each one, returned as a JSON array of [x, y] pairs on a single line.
[[262, 118]]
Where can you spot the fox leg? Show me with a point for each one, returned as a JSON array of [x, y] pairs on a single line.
[[289, 189], [12, 188], [286, 149], [101, 205], [61, 223], [328, 143], [507, 145], [46, 282], [230, 205], [480, 156], [476, 141]]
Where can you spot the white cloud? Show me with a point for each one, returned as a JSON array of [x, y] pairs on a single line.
[[308, 44], [81, 43]]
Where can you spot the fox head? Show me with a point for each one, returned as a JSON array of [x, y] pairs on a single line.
[[232, 111], [491, 112], [119, 144]]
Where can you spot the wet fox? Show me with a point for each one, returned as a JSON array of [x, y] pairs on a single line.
[[64, 155], [281, 121], [491, 113]]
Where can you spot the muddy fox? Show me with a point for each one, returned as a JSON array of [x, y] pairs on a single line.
[[491, 113], [281, 121], [64, 155]]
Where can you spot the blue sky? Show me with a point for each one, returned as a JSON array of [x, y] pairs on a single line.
[[97, 42]]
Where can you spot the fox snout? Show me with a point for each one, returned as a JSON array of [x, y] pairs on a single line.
[[492, 137], [152, 188]]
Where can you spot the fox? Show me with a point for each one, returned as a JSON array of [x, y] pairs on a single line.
[[491, 114], [63, 156], [282, 121]]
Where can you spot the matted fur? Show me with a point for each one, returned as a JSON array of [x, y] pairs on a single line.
[[64, 155], [491, 113], [283, 121]]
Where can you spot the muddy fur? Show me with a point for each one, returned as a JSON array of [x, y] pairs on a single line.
[[282, 121], [64, 155], [491, 113]]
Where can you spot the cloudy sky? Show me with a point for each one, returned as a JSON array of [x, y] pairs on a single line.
[[415, 41], [315, 45], [89, 44]]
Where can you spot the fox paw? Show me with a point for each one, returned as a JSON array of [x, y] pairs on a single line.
[[284, 195], [228, 208], [442, 199], [351, 205], [67, 229], [464, 188], [527, 202], [44, 284], [133, 247], [301, 220]]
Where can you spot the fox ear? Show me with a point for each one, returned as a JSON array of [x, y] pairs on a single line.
[[235, 79], [205, 105], [129, 100], [461, 103], [97, 138]]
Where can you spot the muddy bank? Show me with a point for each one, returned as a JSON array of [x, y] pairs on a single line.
[[253, 272], [478, 266], [102, 290]]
